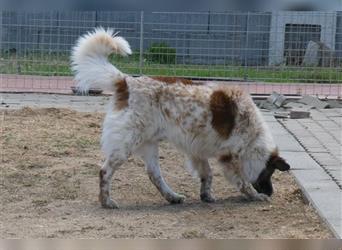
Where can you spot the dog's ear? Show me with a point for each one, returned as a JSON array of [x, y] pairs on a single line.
[[280, 164]]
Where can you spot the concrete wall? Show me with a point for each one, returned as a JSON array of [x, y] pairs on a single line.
[[327, 21], [338, 42]]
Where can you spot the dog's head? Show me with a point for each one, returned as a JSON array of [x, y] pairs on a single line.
[[263, 184]]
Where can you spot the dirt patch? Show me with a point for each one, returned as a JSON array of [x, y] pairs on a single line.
[[50, 160]]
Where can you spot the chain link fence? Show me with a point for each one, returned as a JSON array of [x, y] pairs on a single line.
[[288, 52]]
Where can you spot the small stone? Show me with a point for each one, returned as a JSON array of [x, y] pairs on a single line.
[[280, 115], [334, 103], [295, 114], [276, 99]]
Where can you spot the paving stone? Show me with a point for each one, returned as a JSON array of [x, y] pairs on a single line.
[[337, 120], [267, 105], [334, 103], [298, 114], [297, 106], [326, 199], [324, 137], [335, 168], [308, 121], [337, 225], [299, 160], [328, 125], [337, 134], [337, 174], [317, 115], [312, 176], [277, 129], [286, 142], [313, 101], [324, 195], [311, 141], [325, 159], [311, 126], [293, 125], [270, 119]]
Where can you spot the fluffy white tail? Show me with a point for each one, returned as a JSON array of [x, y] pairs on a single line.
[[89, 59]]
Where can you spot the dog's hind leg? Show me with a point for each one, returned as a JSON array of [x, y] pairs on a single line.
[[149, 154], [202, 167], [106, 173], [117, 147]]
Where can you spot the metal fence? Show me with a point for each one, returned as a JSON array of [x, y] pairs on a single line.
[[288, 52]]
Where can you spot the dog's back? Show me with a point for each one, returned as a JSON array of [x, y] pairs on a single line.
[[196, 118]]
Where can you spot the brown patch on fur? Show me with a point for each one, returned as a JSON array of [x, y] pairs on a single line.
[[226, 158], [167, 112], [224, 111], [172, 80], [103, 193], [275, 153], [122, 94], [107, 41], [102, 174], [273, 157]]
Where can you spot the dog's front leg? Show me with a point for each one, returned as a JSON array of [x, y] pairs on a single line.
[[247, 188], [150, 156], [233, 173], [202, 167]]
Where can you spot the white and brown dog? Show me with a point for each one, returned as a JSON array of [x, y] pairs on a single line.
[[202, 121]]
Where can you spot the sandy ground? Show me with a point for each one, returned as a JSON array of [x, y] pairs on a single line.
[[50, 160]]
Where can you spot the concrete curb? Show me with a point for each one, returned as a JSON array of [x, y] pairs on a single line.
[[317, 186]]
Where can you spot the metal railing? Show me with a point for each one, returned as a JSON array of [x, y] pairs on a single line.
[[290, 52]]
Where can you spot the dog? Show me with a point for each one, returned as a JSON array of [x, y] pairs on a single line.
[[202, 121]]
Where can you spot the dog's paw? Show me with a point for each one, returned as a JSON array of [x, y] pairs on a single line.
[[207, 198], [177, 199], [110, 204]]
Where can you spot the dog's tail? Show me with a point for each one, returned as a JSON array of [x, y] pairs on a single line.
[[89, 59]]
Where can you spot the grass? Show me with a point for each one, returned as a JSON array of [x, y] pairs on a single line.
[[58, 64]]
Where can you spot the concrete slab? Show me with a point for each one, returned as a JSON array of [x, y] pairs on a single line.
[[325, 159], [337, 225], [312, 176], [313, 101], [286, 142], [299, 160], [276, 128], [334, 167]]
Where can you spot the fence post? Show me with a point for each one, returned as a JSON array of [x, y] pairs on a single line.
[[246, 48], [1, 28], [141, 47]]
